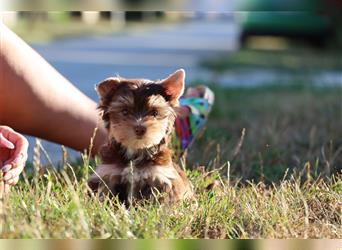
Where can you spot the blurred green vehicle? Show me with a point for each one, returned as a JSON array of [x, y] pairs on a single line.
[[307, 19]]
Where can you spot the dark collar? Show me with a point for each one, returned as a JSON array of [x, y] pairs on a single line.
[[140, 155]]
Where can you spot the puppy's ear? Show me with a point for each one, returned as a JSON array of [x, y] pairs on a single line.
[[107, 86], [174, 85]]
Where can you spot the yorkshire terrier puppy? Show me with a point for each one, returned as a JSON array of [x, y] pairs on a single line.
[[139, 115]]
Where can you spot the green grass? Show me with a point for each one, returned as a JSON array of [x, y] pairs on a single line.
[[281, 180], [59, 25], [47, 31], [286, 127], [294, 60], [57, 206]]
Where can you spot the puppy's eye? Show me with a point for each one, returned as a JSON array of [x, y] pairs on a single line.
[[124, 112], [154, 113]]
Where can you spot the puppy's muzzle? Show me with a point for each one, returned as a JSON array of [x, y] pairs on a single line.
[[140, 130]]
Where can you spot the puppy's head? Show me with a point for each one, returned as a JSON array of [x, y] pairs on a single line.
[[139, 113]]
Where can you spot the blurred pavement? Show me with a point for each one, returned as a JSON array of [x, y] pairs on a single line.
[[151, 53]]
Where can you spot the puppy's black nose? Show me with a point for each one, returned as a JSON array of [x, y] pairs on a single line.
[[140, 130]]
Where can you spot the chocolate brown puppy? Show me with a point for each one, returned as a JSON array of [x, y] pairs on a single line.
[[137, 160]]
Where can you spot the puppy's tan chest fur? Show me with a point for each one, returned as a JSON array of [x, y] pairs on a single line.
[[144, 181]]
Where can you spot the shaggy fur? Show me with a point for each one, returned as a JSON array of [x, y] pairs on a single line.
[[139, 115]]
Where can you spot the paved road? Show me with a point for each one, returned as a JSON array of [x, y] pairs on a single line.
[[149, 53]]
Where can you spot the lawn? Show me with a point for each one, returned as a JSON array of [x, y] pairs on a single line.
[[279, 178], [296, 59], [59, 25], [285, 127]]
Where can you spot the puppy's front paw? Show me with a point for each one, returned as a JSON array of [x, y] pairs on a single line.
[[94, 183]]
